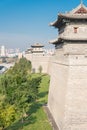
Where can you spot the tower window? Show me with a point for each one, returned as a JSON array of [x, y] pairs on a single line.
[[75, 29]]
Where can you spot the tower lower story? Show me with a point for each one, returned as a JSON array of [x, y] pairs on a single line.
[[67, 100]]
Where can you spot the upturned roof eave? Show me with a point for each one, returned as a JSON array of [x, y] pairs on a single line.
[[68, 16], [55, 23], [55, 41], [62, 39], [73, 16], [37, 45]]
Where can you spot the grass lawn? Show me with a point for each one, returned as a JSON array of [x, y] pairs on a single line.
[[37, 118]]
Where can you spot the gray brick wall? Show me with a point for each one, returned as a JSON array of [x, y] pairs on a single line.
[[67, 99]]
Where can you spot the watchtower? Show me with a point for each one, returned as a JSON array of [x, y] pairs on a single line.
[[67, 100]]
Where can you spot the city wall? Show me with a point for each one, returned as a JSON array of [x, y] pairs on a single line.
[[67, 100], [40, 60]]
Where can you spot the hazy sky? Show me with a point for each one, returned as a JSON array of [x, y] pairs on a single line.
[[26, 22]]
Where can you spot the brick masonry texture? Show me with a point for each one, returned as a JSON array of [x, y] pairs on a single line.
[[67, 99]]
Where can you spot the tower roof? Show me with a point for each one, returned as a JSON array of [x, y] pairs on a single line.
[[37, 45], [80, 12], [80, 9], [60, 39]]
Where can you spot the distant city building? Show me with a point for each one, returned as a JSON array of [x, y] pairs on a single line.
[[13, 52], [28, 51], [2, 51]]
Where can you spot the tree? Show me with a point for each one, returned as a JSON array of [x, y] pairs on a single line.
[[40, 69], [19, 88], [23, 66], [7, 115]]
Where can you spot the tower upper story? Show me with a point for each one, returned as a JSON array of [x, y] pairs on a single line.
[[37, 48], [72, 26]]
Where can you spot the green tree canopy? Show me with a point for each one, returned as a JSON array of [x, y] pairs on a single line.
[[18, 88], [22, 66]]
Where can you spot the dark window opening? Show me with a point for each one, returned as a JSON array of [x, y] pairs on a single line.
[[75, 29]]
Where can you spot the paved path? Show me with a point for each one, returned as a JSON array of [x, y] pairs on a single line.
[[54, 126]]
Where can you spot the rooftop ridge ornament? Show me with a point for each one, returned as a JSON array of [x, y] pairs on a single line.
[[81, 2]]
